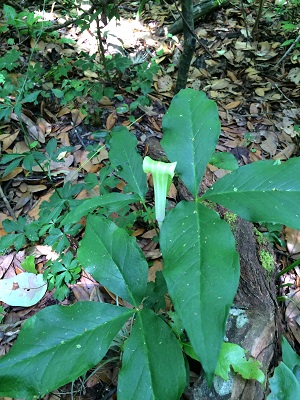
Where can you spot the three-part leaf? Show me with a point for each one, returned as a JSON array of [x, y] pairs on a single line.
[[201, 269], [123, 154], [262, 192], [114, 259], [191, 129], [284, 384], [113, 202], [152, 366], [57, 345]]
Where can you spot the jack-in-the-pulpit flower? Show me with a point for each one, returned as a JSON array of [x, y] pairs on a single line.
[[162, 174]]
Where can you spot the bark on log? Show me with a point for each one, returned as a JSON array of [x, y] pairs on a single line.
[[189, 45], [253, 324], [199, 10]]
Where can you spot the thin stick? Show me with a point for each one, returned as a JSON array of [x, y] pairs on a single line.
[[192, 31], [288, 51], [10, 210]]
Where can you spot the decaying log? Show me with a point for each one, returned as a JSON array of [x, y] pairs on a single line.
[[199, 10], [253, 323]]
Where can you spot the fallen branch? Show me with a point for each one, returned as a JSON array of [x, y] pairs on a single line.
[[288, 51], [199, 10]]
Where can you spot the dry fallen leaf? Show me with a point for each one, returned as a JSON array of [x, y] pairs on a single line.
[[292, 237], [232, 105], [7, 139], [12, 174], [34, 130], [77, 116], [292, 314], [111, 120], [165, 84], [157, 266]]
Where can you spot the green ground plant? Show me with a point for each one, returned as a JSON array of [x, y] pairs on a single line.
[[285, 383], [197, 247], [23, 84]]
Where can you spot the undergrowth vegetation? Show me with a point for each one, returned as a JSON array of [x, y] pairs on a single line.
[[153, 327], [158, 338], [34, 80]]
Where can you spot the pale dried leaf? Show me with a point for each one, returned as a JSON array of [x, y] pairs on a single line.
[[7, 139], [77, 116], [292, 237]]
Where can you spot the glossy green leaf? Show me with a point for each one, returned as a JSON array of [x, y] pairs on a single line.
[[152, 365], [261, 192], [233, 355], [113, 202], [29, 265], [114, 259], [191, 130], [224, 160], [289, 356], [57, 345], [11, 239], [201, 269], [124, 156], [284, 385]]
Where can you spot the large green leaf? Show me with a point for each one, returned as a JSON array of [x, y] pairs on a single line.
[[113, 258], [57, 345], [123, 155], [233, 355], [191, 130], [262, 192], [113, 202], [284, 385], [289, 356], [153, 366], [201, 269]]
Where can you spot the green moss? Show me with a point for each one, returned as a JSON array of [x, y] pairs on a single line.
[[260, 237], [230, 218], [267, 260]]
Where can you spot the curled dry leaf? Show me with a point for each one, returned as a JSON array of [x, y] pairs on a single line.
[[286, 153], [292, 237], [12, 174], [7, 139], [77, 116], [34, 130], [292, 314], [45, 127], [111, 120]]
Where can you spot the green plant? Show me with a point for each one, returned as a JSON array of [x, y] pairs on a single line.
[[285, 383], [197, 246], [2, 313], [142, 81], [24, 22], [63, 79]]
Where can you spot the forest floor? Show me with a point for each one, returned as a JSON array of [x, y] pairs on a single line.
[[251, 77]]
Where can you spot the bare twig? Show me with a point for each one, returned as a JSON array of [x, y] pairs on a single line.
[[6, 202], [245, 21], [288, 51], [70, 22], [280, 91], [258, 16], [192, 31]]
